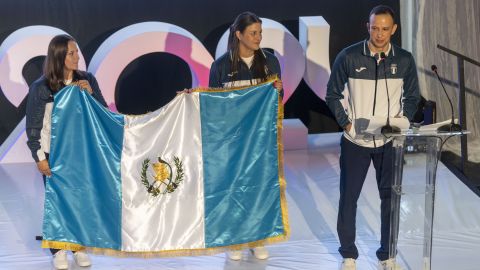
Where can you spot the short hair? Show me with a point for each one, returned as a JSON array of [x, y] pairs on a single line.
[[382, 9]]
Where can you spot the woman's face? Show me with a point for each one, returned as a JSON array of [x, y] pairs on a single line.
[[72, 58], [251, 37]]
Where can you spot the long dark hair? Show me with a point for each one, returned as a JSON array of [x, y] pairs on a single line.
[[55, 61], [242, 21]]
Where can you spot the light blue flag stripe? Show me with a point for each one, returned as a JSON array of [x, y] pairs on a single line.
[[86, 213], [240, 155]]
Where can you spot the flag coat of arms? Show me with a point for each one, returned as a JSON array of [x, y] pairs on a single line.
[[200, 175]]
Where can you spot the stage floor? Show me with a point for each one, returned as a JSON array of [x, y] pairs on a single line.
[[312, 193]]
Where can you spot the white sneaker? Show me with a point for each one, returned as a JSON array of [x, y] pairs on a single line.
[[348, 264], [389, 264], [60, 260], [260, 253], [235, 255], [82, 259]]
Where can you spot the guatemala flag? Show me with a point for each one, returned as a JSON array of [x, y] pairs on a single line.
[[200, 175]]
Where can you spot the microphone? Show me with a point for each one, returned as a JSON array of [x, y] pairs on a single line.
[[452, 126], [387, 129]]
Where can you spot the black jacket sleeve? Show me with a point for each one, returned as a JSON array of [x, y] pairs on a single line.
[[214, 79], [38, 96], [274, 69], [411, 91], [274, 66], [335, 87]]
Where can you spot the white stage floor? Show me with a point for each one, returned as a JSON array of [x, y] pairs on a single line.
[[312, 193]]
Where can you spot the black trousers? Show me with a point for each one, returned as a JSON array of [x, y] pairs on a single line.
[[354, 163]]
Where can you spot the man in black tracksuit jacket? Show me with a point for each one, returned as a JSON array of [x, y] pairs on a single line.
[[357, 88]]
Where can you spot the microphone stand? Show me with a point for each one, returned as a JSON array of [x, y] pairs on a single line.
[[387, 129], [452, 127]]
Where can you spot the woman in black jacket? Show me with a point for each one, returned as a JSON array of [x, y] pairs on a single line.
[[245, 63], [60, 70]]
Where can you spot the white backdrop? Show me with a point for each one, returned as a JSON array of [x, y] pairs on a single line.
[[455, 25]]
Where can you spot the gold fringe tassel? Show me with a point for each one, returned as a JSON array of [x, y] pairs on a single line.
[[163, 253], [281, 174]]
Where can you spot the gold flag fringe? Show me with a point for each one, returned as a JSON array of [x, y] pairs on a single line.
[[163, 253], [281, 174], [212, 250]]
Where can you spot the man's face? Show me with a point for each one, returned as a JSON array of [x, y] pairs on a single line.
[[381, 28]]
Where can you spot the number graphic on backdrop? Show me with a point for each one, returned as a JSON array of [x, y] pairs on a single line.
[[308, 59]]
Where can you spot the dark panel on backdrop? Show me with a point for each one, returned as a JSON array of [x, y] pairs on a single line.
[[140, 90]]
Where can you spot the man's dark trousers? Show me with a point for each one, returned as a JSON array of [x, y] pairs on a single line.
[[354, 163]]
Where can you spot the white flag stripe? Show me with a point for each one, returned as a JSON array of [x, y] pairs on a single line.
[[147, 221]]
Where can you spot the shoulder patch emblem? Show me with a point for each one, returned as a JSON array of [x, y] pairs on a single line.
[[393, 68]]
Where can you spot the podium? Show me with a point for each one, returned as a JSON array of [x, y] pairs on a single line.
[[416, 155]]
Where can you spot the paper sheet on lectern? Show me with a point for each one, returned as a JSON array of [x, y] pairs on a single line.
[[377, 122], [435, 126]]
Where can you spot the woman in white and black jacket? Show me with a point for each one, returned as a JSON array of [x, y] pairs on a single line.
[[60, 70], [245, 64]]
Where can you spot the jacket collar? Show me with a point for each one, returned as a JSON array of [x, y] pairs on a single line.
[[231, 54], [367, 52]]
